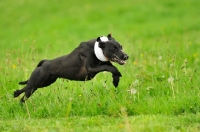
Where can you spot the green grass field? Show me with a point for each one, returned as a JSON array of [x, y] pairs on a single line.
[[160, 85]]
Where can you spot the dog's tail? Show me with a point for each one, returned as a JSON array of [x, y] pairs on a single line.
[[41, 62], [23, 83]]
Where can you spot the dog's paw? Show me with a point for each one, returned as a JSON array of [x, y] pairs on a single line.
[[115, 83], [16, 93], [116, 80]]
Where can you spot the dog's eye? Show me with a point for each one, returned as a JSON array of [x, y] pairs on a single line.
[[114, 48]]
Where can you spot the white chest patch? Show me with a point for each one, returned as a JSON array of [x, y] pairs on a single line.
[[98, 51]]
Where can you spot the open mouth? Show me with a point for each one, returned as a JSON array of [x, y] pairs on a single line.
[[119, 61], [119, 58]]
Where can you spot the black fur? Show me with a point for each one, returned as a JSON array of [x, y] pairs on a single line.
[[80, 65]]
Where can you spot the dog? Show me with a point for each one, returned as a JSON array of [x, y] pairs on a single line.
[[82, 64]]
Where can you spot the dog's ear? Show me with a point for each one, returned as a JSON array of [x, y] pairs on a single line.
[[98, 39], [101, 44], [109, 36]]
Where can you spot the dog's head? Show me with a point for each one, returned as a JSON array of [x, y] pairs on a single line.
[[108, 49]]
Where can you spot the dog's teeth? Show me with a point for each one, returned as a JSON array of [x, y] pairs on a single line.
[[123, 62]]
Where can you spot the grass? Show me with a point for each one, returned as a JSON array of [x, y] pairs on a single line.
[[104, 123], [159, 88]]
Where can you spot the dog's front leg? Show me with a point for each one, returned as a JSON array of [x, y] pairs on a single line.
[[92, 71], [116, 79], [116, 76]]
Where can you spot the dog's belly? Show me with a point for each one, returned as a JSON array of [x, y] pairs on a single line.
[[74, 73]]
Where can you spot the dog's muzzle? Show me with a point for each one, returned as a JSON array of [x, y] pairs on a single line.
[[120, 58]]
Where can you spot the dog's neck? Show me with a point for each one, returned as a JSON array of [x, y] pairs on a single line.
[[98, 51]]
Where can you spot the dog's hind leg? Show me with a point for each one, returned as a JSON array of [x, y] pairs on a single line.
[[18, 92], [26, 89], [32, 83], [37, 81], [28, 92]]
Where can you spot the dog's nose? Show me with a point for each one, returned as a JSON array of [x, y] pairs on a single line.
[[126, 57]]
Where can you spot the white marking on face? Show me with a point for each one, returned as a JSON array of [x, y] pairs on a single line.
[[98, 51]]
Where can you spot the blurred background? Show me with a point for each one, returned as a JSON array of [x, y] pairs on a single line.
[[62, 25]]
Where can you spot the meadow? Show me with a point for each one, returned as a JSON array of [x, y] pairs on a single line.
[[159, 89]]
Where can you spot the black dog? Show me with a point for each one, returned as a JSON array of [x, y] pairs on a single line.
[[82, 64]]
